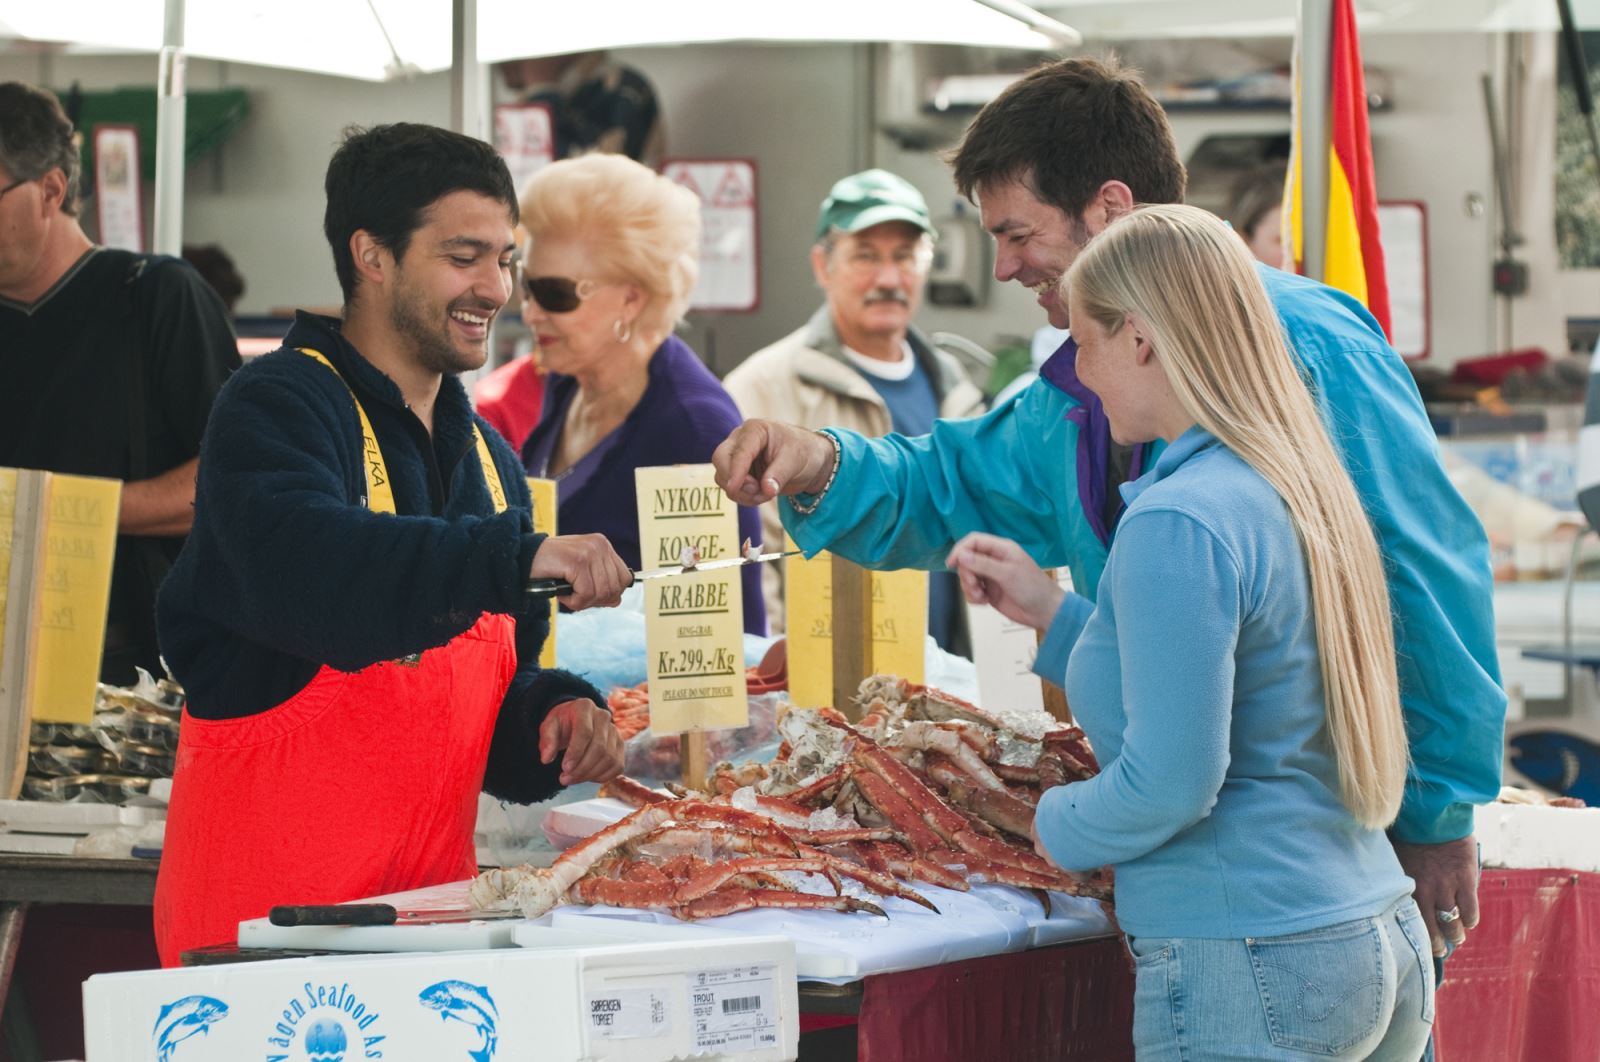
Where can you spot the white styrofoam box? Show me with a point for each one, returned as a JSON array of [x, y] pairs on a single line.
[[1531, 836], [568, 824], [38, 843], [44, 816], [577, 997]]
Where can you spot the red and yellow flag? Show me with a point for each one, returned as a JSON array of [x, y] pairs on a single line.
[[1354, 256]]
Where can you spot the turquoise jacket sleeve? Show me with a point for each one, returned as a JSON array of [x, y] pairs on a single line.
[[1435, 552], [1177, 625], [901, 502]]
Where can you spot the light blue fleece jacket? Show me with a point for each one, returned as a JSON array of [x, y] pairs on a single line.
[[1197, 678]]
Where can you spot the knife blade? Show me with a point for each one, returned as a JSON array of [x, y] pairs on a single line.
[[561, 588]]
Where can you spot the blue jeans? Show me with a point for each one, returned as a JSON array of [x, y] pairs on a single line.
[[1356, 990]]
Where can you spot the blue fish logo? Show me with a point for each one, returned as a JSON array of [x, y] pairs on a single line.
[[326, 1041], [182, 1019], [1560, 761], [469, 1004]]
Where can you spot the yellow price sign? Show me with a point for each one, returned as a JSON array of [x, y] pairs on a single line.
[[899, 626], [545, 503], [68, 555], [694, 623]]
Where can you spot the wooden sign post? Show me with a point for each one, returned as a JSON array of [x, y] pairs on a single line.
[[852, 633], [881, 622], [58, 536], [694, 623]]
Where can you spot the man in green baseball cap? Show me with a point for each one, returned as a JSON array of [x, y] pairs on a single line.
[[860, 363]]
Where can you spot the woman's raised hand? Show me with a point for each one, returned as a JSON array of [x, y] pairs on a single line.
[[995, 571]]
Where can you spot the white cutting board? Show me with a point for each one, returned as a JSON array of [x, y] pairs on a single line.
[[447, 936]]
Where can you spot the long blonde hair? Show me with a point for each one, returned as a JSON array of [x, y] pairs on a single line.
[[1192, 283]]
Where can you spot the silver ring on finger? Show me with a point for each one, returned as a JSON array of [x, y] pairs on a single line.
[[1446, 917]]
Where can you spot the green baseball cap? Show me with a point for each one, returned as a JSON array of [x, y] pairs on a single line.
[[870, 198]]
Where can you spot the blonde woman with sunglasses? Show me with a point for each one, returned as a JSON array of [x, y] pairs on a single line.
[[611, 256], [1236, 675]]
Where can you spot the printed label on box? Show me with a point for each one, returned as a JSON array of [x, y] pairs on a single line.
[[628, 1013], [735, 1009]]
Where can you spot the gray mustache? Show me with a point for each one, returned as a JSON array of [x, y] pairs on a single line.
[[888, 295]]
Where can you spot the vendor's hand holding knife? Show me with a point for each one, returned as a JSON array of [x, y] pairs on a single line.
[[598, 576]]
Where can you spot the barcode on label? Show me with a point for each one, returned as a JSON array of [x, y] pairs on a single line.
[[741, 1005]]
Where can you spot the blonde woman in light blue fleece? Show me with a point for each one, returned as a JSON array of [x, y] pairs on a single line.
[[1236, 676]]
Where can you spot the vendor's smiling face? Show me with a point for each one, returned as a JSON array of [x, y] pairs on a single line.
[[454, 276]]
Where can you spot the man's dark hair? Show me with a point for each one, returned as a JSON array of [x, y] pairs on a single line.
[[1067, 128], [385, 178], [36, 137]]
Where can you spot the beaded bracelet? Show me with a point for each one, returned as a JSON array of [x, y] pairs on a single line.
[[816, 499]]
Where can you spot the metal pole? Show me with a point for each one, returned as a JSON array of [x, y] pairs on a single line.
[[467, 87], [1315, 66], [170, 121], [1063, 35]]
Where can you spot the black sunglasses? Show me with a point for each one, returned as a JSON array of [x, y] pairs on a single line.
[[557, 294]]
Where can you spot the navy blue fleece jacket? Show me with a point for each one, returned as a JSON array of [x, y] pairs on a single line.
[[286, 570]]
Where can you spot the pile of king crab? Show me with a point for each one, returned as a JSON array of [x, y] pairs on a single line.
[[925, 788]]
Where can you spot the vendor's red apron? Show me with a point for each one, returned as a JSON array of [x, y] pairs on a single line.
[[360, 784]]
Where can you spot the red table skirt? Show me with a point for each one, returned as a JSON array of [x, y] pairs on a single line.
[[1524, 988]]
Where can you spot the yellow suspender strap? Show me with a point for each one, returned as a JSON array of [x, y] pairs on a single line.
[[380, 497], [491, 475]]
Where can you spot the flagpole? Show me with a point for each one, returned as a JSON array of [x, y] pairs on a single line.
[[1315, 64]]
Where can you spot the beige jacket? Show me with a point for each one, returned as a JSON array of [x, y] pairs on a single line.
[[805, 379]]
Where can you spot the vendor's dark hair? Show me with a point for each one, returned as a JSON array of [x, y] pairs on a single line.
[[1065, 129], [385, 178], [36, 137]]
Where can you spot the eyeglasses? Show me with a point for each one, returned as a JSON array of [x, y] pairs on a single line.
[[907, 260], [557, 294], [12, 186]]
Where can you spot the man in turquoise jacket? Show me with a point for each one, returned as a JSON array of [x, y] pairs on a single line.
[[1052, 162]]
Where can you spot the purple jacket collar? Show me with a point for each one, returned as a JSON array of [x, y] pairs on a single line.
[[1060, 370]]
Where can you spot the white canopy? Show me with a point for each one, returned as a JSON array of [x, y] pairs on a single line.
[[344, 37]]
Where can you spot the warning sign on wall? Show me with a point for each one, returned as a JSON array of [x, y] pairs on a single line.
[[729, 264], [525, 137]]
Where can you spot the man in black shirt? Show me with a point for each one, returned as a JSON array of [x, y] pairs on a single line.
[[110, 361]]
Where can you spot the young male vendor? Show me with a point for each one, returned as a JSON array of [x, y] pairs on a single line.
[[348, 615]]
